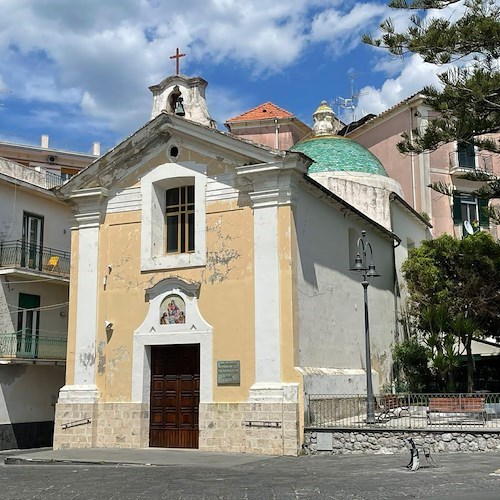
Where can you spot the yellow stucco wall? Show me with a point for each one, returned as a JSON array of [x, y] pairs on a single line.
[[70, 357], [226, 296]]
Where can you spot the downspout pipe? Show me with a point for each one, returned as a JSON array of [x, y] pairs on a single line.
[[412, 165], [276, 133], [396, 289]]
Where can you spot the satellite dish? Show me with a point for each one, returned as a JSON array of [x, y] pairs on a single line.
[[468, 227]]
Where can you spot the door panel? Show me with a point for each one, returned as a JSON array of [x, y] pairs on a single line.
[[32, 240], [175, 394], [28, 325]]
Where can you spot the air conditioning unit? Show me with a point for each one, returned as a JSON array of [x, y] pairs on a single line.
[[51, 159]]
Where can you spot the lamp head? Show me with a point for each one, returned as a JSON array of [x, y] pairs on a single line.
[[358, 264], [372, 272]]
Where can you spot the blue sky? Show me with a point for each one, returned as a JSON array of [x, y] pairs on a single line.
[[79, 70]]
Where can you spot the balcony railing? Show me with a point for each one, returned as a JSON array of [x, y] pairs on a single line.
[[479, 162], [23, 345], [18, 254], [405, 411]]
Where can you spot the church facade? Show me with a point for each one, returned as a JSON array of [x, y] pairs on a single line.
[[211, 292]]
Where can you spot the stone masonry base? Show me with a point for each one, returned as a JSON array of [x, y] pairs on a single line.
[[382, 442], [101, 425], [268, 428]]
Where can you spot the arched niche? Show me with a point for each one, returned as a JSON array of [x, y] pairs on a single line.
[[172, 99]]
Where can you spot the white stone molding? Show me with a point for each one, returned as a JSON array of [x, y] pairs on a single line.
[[125, 200], [78, 394], [153, 188], [151, 333], [88, 212]]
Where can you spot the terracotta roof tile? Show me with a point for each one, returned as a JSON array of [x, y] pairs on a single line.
[[268, 110]]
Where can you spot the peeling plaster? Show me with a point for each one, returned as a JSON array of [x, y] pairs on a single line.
[[101, 365], [117, 357], [87, 359], [219, 261]]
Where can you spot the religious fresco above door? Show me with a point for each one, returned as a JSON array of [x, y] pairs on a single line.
[[172, 311]]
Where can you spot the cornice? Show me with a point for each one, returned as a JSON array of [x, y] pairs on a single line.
[[88, 206]]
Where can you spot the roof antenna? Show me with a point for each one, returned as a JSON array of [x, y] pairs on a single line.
[[349, 103]]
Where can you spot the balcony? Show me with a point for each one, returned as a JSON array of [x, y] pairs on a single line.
[[19, 346], [26, 260], [462, 164]]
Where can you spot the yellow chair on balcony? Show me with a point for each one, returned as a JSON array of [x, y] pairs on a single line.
[[52, 263]]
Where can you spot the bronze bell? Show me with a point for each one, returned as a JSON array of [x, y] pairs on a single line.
[[179, 107]]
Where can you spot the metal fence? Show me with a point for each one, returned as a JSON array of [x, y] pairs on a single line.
[[405, 411], [23, 345], [48, 260]]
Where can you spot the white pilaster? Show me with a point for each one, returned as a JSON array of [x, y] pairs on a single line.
[[272, 187], [88, 215], [267, 288]]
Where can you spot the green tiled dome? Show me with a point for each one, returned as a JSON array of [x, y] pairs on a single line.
[[334, 153]]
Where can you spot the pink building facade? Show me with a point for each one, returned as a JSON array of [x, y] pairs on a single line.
[[415, 173]]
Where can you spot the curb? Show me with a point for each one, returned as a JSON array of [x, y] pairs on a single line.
[[50, 461]]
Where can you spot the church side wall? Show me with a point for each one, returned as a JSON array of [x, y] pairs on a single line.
[[330, 299]]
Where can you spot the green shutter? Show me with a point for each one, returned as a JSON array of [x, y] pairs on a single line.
[[457, 211], [484, 220], [28, 301]]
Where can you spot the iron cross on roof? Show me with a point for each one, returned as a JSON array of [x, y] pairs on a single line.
[[177, 56]]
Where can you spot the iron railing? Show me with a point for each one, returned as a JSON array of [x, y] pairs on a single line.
[[52, 180], [19, 254], [24, 345], [405, 411]]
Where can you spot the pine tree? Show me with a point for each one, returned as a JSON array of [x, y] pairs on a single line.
[[468, 104]]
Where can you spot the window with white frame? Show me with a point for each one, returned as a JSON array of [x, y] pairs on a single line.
[[173, 217], [467, 208]]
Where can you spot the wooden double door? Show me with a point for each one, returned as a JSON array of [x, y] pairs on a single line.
[[175, 396]]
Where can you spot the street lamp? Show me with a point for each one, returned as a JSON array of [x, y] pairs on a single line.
[[367, 271]]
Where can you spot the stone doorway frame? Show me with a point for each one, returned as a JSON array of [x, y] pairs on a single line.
[[151, 333]]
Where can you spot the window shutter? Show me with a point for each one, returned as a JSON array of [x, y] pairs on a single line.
[[457, 211], [484, 220]]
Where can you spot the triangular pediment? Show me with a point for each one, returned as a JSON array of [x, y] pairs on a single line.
[[125, 164]]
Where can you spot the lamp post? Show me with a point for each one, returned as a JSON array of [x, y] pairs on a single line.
[[367, 271]]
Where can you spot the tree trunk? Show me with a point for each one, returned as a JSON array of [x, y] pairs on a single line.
[[470, 365]]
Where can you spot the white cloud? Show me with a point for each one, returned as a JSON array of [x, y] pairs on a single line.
[[339, 28], [102, 56], [408, 75], [412, 78], [98, 58]]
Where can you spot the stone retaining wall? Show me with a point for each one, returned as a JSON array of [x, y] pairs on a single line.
[[383, 442]]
